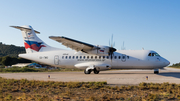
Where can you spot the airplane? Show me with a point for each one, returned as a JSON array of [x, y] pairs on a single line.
[[86, 56]]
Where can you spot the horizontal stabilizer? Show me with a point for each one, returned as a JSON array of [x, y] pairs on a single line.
[[23, 28]]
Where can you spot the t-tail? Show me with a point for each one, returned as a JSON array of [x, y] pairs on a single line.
[[31, 42]]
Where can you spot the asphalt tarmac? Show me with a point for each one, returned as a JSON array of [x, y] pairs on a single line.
[[114, 77]]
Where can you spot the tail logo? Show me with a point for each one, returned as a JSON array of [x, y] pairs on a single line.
[[33, 45], [30, 34]]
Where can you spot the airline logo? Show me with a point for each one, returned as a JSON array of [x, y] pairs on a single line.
[[30, 34], [33, 45]]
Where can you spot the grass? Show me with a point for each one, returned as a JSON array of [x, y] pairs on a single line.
[[27, 69], [20, 90]]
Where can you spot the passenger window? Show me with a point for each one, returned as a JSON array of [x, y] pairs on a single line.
[[103, 57], [99, 57], [84, 57], [87, 57], [62, 57], [80, 57], [91, 57], [149, 54], [66, 57], [107, 57], [119, 57], [73, 57], [76, 57], [95, 57], [123, 57], [127, 57], [115, 57], [69, 57]]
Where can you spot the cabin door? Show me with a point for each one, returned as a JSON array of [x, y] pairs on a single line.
[[56, 60], [123, 59]]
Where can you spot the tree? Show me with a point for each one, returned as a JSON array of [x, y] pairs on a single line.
[[10, 50], [0, 60], [8, 61], [21, 60]]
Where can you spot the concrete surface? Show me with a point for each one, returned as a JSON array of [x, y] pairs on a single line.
[[115, 77]]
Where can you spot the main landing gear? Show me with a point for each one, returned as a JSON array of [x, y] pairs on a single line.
[[96, 71], [89, 71], [156, 71]]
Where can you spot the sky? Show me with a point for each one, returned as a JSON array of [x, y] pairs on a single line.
[[149, 24]]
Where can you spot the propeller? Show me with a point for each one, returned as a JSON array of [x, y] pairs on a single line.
[[111, 49], [97, 48]]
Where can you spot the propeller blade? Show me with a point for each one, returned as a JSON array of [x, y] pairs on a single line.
[[109, 43], [112, 40], [111, 49], [111, 52]]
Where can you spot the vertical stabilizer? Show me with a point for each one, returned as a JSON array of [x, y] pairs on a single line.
[[31, 42]]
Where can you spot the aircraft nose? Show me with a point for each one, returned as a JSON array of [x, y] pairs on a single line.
[[166, 62]]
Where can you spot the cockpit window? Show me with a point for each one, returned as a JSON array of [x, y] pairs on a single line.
[[156, 54], [149, 54], [153, 54]]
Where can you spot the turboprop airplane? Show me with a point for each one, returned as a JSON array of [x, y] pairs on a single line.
[[87, 56]]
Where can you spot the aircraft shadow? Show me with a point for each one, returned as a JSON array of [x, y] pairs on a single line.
[[171, 74], [167, 74], [124, 73]]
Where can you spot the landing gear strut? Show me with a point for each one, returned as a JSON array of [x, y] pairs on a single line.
[[156, 71]]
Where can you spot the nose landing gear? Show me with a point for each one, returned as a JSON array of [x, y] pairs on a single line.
[[156, 71]]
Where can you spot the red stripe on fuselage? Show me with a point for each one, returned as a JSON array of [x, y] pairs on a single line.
[[33, 46]]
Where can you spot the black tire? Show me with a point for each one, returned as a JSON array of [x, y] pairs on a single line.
[[87, 72], [156, 72], [96, 72]]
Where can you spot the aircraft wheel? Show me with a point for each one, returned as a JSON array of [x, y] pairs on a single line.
[[156, 71], [96, 72], [87, 72]]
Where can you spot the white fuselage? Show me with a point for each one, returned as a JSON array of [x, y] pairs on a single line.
[[87, 56], [122, 59]]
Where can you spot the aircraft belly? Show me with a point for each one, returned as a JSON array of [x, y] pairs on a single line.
[[134, 64], [133, 67]]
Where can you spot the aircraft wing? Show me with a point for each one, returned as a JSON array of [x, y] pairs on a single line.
[[74, 44]]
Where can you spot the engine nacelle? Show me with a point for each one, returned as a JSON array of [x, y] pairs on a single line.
[[100, 50], [101, 67]]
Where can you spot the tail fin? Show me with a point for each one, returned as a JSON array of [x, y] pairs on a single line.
[[31, 41]]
